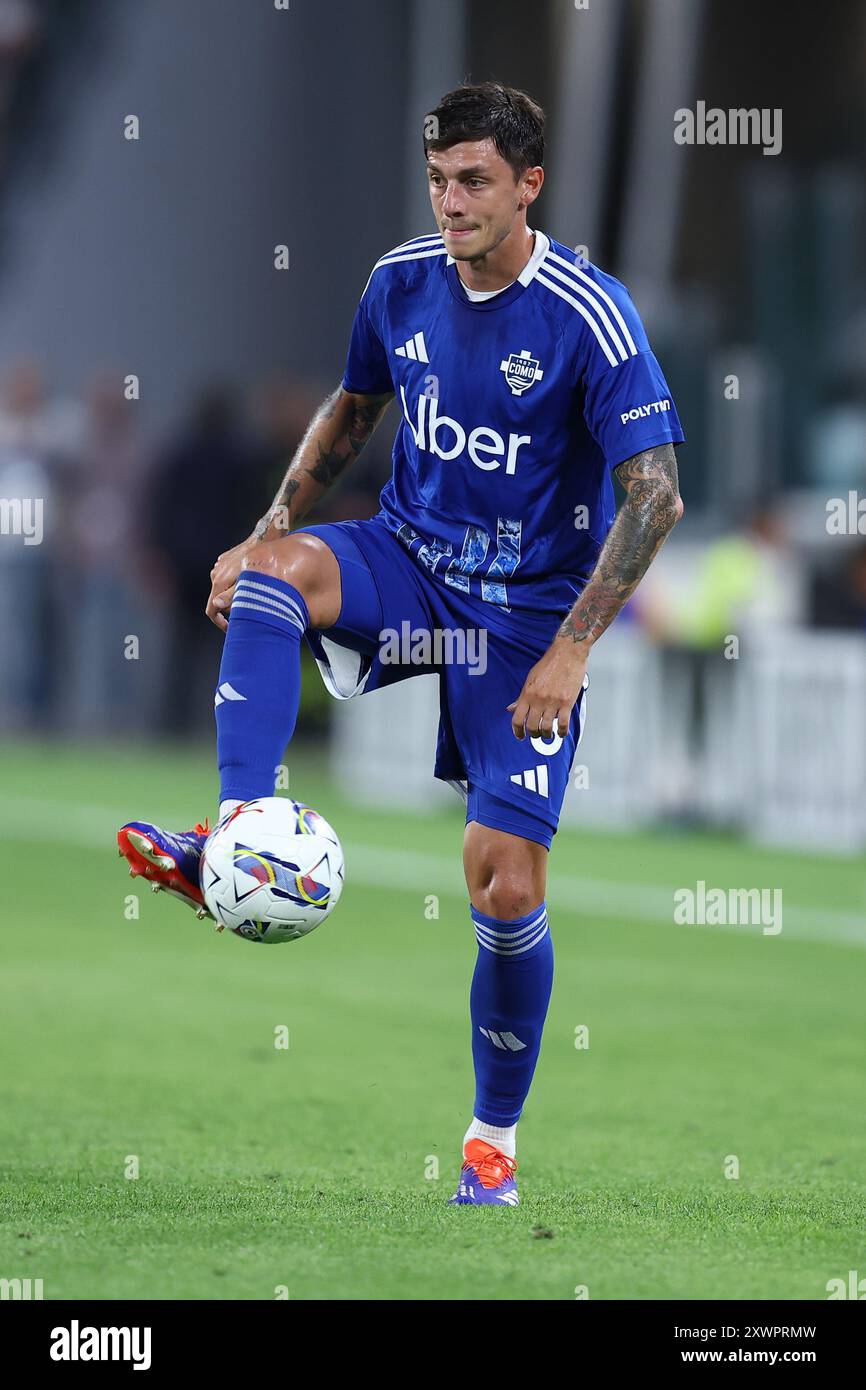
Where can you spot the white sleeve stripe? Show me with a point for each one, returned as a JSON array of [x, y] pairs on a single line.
[[575, 304], [602, 294], [391, 259], [414, 241], [596, 304]]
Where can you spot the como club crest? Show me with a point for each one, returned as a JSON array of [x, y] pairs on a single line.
[[521, 371]]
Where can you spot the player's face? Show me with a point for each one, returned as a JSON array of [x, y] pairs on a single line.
[[475, 197]]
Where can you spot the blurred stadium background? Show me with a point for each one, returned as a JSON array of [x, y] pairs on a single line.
[[727, 716], [155, 257]]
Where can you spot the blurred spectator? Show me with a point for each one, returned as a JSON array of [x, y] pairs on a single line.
[[694, 601], [745, 578], [19, 30], [109, 664], [31, 419], [38, 435], [839, 594], [836, 453], [282, 409], [206, 496]]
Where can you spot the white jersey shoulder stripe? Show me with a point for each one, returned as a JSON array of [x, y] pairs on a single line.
[[584, 313], [596, 304], [419, 253], [419, 241], [596, 289]]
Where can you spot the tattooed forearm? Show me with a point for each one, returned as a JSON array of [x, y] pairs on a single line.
[[366, 414], [336, 435], [330, 462], [650, 511], [282, 502]]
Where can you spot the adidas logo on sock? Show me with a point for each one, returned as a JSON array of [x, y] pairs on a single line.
[[415, 348], [226, 692], [503, 1040]]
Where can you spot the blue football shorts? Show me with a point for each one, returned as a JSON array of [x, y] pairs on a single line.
[[396, 622]]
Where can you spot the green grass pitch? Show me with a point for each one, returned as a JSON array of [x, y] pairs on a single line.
[[313, 1169]]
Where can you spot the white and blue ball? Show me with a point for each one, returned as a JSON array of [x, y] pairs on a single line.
[[272, 870]]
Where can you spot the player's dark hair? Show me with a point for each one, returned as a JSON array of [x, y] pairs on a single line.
[[487, 110]]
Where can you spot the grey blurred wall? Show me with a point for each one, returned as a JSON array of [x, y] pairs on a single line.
[[258, 127]]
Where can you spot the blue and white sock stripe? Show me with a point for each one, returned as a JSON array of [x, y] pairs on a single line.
[[510, 938], [264, 591], [518, 948], [263, 596]]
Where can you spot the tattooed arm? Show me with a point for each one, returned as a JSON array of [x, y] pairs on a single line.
[[650, 511], [335, 437]]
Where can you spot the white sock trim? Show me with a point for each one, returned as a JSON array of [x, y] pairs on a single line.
[[504, 1138], [226, 807]]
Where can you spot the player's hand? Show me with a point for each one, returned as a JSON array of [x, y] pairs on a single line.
[[224, 577], [550, 691]]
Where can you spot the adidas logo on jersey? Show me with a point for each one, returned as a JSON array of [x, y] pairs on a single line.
[[415, 348], [446, 438], [534, 779]]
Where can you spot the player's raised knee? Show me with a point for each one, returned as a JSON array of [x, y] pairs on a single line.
[[308, 565], [289, 559]]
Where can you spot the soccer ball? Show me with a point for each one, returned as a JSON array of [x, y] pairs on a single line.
[[272, 870]]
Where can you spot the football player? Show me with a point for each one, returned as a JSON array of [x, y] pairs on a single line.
[[525, 384]]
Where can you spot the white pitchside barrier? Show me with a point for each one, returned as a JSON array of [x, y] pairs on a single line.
[[783, 746], [617, 774], [805, 740], [383, 746]]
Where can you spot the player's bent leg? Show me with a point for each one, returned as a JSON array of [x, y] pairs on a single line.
[[309, 565], [515, 794], [506, 876], [285, 587]]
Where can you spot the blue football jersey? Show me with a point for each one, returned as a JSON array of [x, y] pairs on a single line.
[[514, 411]]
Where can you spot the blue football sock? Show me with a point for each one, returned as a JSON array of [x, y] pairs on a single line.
[[259, 687], [508, 1004]]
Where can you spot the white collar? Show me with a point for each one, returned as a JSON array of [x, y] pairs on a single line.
[[540, 250]]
